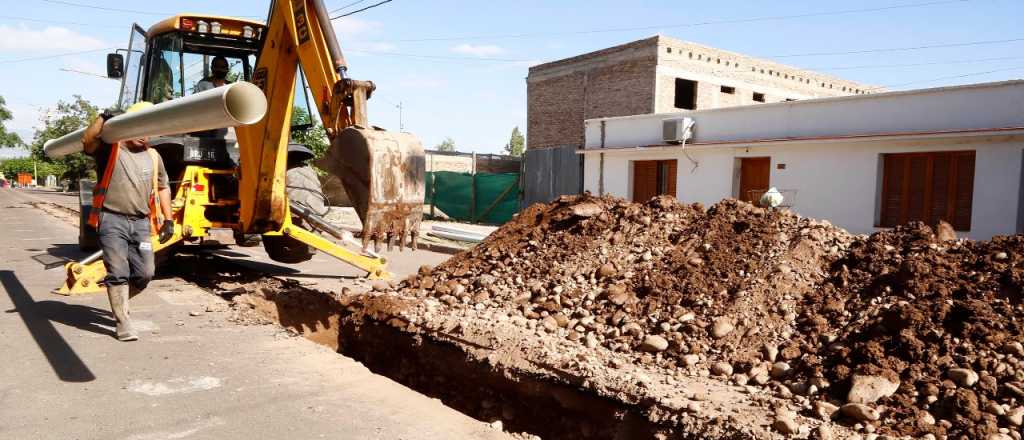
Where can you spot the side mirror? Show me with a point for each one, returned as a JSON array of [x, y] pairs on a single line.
[[115, 65]]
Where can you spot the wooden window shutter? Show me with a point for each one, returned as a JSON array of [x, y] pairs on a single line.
[[928, 187], [672, 167], [892, 190], [645, 180], [963, 202]]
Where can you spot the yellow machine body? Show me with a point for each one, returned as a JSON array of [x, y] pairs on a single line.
[[385, 173]]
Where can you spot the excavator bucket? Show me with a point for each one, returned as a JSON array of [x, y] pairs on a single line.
[[382, 172]]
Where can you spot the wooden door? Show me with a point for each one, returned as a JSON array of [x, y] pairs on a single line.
[[754, 175]]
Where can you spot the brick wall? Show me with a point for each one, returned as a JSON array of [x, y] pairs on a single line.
[[554, 111], [617, 81]]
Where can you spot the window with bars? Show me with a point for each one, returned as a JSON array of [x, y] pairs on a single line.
[[928, 187]]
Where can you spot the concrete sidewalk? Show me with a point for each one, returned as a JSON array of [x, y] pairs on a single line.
[[196, 377]]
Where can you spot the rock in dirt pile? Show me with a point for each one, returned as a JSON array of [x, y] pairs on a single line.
[[899, 333]]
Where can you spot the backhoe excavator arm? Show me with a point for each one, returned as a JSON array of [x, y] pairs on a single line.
[[382, 172], [298, 33]]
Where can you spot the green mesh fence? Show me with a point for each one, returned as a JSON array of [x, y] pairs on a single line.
[[478, 198]]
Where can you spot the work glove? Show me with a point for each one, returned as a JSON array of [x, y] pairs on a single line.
[[110, 113], [91, 138], [166, 231]]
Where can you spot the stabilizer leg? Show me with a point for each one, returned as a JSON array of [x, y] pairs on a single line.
[[84, 276]]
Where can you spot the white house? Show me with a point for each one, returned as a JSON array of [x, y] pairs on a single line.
[[863, 162]]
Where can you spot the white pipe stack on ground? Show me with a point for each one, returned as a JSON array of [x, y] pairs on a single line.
[[236, 104]]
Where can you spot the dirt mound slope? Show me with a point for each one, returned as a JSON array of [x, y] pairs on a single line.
[[896, 333]]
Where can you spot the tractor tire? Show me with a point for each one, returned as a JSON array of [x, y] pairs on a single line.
[[303, 186]]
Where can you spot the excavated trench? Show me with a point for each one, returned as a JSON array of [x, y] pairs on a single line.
[[437, 365]]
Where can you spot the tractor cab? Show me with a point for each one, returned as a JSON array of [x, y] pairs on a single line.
[[173, 59]]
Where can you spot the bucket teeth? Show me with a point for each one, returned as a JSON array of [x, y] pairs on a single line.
[[402, 231]]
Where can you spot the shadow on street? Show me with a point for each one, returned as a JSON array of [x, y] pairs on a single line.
[[62, 358]]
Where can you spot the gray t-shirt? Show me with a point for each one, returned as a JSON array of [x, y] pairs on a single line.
[[132, 181]]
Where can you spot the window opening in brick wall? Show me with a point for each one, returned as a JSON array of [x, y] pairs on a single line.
[[729, 90], [758, 97], [668, 49], [927, 187], [686, 94]]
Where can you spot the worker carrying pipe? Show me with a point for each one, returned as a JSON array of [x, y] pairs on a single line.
[[233, 105], [133, 184]]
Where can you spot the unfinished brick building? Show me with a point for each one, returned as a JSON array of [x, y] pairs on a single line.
[[657, 75]]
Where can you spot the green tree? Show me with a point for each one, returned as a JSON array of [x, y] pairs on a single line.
[[59, 121], [516, 144], [11, 167], [314, 137], [448, 144], [7, 139]]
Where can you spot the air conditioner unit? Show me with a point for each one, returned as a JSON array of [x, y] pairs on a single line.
[[677, 131]]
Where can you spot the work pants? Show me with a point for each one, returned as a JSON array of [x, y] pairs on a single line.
[[127, 250]]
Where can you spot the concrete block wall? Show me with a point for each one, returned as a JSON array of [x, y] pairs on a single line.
[[640, 77], [714, 68]]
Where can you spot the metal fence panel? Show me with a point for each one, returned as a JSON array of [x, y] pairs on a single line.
[[549, 173]]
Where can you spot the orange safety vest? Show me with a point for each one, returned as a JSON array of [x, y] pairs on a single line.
[[99, 192]]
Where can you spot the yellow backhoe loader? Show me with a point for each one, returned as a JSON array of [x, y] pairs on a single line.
[[244, 185]]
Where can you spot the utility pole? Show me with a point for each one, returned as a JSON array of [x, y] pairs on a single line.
[[401, 124]]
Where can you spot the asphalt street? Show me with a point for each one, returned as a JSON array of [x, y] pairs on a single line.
[[194, 374]]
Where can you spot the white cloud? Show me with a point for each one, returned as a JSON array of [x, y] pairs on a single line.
[[351, 27], [481, 50], [23, 38]]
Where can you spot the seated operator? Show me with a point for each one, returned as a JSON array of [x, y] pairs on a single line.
[[218, 75]]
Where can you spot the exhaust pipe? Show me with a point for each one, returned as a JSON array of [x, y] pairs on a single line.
[[237, 104]]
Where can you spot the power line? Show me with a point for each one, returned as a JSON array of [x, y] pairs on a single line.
[[130, 11], [935, 63], [103, 8], [72, 23], [68, 69], [439, 57], [47, 57], [346, 6], [361, 9], [898, 49], [948, 77], [683, 25]]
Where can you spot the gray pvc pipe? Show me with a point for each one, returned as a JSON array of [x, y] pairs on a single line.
[[232, 105]]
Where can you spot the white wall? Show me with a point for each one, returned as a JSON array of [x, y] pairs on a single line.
[[977, 106], [834, 181]]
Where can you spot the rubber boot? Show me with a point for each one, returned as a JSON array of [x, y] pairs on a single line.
[[119, 306]]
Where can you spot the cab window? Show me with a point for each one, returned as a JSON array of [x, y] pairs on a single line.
[[175, 73]]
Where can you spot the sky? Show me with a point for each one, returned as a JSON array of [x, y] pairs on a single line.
[[458, 67]]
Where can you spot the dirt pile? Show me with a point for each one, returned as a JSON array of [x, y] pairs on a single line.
[[942, 318], [896, 333]]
